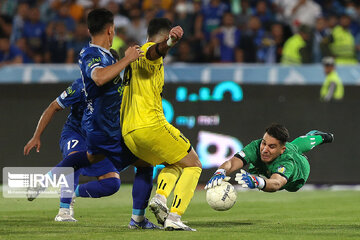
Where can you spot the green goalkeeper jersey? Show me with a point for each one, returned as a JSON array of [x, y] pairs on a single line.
[[292, 165]]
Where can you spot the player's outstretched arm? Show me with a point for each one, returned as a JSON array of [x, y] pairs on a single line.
[[44, 120], [160, 49], [232, 164], [102, 76], [227, 167]]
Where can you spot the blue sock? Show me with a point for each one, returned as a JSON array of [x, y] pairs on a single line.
[[65, 202], [142, 187], [76, 160], [97, 189]]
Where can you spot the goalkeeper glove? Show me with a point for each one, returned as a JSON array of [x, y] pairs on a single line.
[[217, 178], [249, 181]]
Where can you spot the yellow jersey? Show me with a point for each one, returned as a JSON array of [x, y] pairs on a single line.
[[142, 101]]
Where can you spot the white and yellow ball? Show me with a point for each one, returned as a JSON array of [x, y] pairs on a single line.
[[222, 197]]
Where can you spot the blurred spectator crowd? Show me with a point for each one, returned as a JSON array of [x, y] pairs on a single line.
[[246, 31]]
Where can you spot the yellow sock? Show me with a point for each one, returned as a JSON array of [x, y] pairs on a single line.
[[167, 179], [184, 190]]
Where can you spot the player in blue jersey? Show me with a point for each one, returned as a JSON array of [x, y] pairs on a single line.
[[73, 140], [103, 92]]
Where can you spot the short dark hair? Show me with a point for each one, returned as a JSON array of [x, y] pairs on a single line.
[[279, 132], [157, 25], [98, 19]]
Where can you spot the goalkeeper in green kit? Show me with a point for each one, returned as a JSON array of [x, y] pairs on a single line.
[[282, 163]]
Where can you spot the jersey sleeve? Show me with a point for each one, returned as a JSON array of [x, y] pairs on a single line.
[[249, 154], [285, 169], [70, 96], [92, 59]]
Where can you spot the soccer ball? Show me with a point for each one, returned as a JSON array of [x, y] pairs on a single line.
[[221, 198]]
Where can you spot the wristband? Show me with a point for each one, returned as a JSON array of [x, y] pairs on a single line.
[[170, 42], [220, 170], [262, 183]]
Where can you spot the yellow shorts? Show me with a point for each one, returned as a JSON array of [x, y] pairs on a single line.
[[158, 144]]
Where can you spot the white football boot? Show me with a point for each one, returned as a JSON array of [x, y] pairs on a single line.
[[64, 216], [158, 207], [173, 222]]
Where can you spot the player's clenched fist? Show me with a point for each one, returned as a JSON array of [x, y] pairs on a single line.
[[133, 53], [175, 35]]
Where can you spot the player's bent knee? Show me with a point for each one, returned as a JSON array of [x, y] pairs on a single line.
[[190, 160], [195, 159], [110, 186], [195, 162], [198, 164]]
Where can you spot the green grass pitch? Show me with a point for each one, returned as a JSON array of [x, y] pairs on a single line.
[[256, 215]]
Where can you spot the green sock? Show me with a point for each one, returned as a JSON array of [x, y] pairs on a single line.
[[306, 143]]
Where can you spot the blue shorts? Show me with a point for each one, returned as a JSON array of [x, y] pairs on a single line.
[[72, 141], [113, 148]]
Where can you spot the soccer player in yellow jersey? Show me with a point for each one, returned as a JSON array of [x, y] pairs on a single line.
[[147, 133]]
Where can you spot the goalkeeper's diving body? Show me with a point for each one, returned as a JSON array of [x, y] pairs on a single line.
[[282, 163]]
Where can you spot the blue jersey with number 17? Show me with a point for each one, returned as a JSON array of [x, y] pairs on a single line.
[[101, 115], [73, 137]]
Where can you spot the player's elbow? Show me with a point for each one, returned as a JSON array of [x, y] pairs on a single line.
[[98, 77], [55, 106], [98, 81]]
